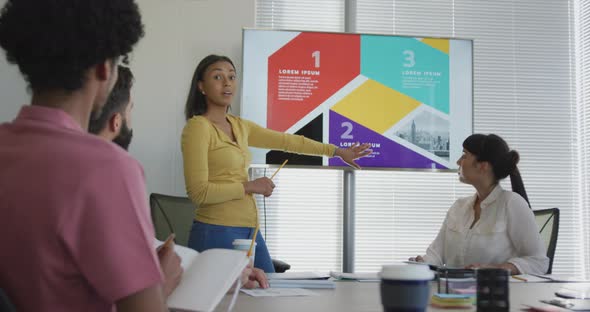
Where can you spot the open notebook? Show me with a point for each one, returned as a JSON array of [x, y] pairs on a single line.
[[206, 279]]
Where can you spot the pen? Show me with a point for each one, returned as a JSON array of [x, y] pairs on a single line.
[[254, 236], [520, 278], [273, 175]]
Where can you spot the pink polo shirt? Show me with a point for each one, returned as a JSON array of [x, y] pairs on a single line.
[[75, 229]]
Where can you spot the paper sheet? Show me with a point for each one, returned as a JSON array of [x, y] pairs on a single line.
[[361, 277], [279, 292], [297, 275]]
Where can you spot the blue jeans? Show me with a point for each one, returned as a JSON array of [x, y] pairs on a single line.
[[205, 236]]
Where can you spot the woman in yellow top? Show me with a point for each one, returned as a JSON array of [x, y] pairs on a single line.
[[216, 160]]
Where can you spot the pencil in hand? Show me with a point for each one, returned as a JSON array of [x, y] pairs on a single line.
[[169, 243], [253, 240], [274, 174]]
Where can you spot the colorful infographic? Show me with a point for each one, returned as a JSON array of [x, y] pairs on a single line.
[[410, 98]]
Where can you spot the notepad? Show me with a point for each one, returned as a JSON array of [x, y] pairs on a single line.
[[206, 278], [452, 301]]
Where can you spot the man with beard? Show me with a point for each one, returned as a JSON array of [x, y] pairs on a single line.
[[113, 123]]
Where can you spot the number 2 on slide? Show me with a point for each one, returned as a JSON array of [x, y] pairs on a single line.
[[347, 134]]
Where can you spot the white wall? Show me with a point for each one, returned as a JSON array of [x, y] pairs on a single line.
[[13, 92], [178, 34]]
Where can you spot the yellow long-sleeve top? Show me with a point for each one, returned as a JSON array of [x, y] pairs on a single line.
[[215, 167]]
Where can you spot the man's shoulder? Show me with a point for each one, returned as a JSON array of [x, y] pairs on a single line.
[[109, 153], [96, 154], [63, 145]]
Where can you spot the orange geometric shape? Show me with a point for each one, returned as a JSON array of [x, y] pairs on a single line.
[[307, 71]]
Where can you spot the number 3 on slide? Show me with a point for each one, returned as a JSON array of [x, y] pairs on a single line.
[[410, 58]]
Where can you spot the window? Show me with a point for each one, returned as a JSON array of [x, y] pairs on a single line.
[[303, 224], [318, 15], [582, 78]]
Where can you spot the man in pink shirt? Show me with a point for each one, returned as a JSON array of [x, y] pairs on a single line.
[[75, 223]]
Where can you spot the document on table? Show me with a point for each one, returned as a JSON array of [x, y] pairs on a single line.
[[361, 277], [279, 292], [297, 276], [282, 283]]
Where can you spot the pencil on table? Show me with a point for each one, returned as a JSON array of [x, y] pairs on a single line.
[[284, 163], [253, 239], [520, 278]]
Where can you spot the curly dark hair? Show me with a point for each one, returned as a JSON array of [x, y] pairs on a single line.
[[117, 101], [54, 42]]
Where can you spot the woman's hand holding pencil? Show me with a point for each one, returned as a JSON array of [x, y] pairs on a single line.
[[263, 185]]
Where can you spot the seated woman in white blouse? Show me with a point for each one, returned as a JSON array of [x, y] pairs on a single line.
[[493, 228]]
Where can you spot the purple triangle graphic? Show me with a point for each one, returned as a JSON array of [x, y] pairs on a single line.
[[386, 153]]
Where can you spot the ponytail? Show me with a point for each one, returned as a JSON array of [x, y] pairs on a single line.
[[518, 185]]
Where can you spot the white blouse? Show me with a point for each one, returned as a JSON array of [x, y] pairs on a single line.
[[505, 232]]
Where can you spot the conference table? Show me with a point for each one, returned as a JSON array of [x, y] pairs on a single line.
[[364, 296]]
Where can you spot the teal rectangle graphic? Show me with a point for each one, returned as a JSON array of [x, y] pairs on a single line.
[[409, 66]]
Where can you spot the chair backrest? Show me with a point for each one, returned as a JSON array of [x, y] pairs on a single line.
[[548, 222], [172, 214]]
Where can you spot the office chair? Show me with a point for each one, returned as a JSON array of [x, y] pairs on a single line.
[[5, 303], [548, 223], [173, 214]]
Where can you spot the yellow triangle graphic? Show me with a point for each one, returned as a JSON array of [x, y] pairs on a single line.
[[375, 106], [439, 44]]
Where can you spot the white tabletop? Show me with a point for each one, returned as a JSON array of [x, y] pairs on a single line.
[[364, 296]]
